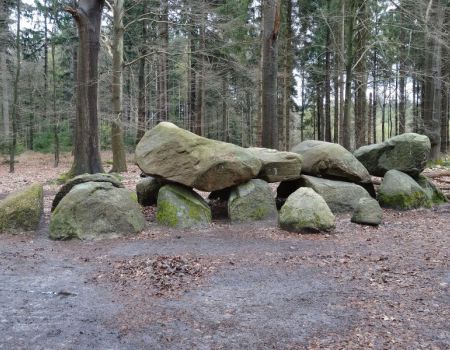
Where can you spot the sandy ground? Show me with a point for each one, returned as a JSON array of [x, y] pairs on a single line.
[[248, 286]]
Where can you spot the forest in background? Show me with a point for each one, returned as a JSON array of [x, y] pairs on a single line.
[[353, 72]]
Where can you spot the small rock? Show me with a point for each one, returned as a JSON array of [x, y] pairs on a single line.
[[400, 191], [22, 211], [251, 201], [367, 212], [305, 210], [181, 207]]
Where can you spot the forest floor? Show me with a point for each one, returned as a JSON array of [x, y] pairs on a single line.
[[248, 286]]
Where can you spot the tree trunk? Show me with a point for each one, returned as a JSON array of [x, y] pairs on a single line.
[[86, 151], [287, 77], [327, 89], [55, 114], [118, 148], [320, 117], [369, 120], [402, 84], [141, 125], [5, 94], [374, 92], [271, 27], [432, 86], [225, 124], [163, 29], [15, 113], [361, 75], [342, 85], [345, 132]]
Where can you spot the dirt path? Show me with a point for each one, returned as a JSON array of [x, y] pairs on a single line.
[[231, 287]]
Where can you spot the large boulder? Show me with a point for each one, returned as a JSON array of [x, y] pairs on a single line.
[[83, 179], [276, 165], [22, 211], [181, 207], [407, 153], [180, 156], [341, 196], [331, 160], [251, 201], [435, 195], [147, 190], [306, 211], [367, 212], [95, 210], [400, 191]]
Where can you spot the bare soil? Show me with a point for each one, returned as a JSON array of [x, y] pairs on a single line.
[[248, 286]]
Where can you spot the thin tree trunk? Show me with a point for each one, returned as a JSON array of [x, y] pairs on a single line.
[[271, 27], [55, 115], [141, 125], [327, 89], [341, 68], [15, 113], [374, 93], [361, 75], [117, 145], [225, 124], [369, 120], [348, 82], [302, 115], [432, 86], [287, 83], [163, 29], [5, 94], [320, 116]]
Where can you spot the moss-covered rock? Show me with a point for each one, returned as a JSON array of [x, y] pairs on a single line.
[[181, 207], [251, 201], [340, 196], [276, 165], [147, 190], [306, 211], [407, 153], [112, 179], [435, 195], [331, 160], [96, 210], [22, 211], [367, 212], [180, 156], [401, 191]]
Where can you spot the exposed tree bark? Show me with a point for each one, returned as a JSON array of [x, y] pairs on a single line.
[[320, 116], [225, 135], [86, 148], [360, 76], [141, 124], [5, 93], [327, 87], [45, 94], [4, 15], [15, 113], [55, 114], [342, 85], [432, 85], [374, 89], [271, 27], [117, 145], [163, 32], [345, 131], [369, 120], [402, 80], [287, 79]]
